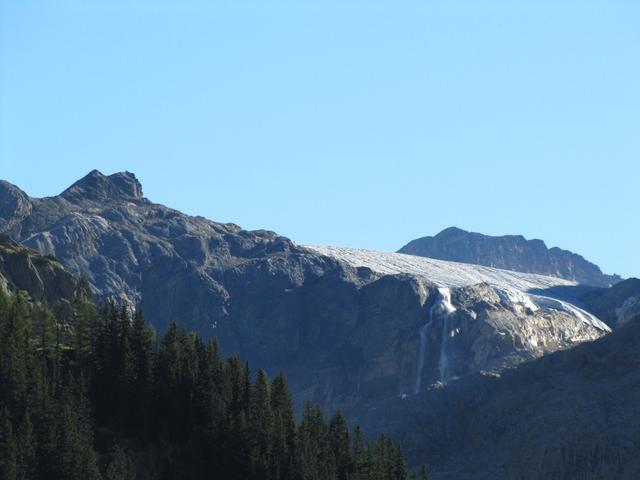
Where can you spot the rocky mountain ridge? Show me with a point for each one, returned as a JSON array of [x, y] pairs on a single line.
[[509, 252], [341, 331]]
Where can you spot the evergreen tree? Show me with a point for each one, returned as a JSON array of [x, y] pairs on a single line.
[[142, 357], [424, 474], [119, 467], [361, 455], [284, 429], [84, 321], [9, 469], [261, 425], [14, 358], [27, 459], [340, 446]]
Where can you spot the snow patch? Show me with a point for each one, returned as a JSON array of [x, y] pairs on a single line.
[[566, 307], [517, 297]]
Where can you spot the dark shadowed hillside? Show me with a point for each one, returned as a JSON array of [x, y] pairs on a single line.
[[615, 305], [570, 415]]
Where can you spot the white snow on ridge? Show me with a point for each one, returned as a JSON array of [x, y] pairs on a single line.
[[441, 272], [511, 286], [563, 306], [516, 296]]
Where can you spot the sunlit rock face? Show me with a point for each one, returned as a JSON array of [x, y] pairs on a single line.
[[344, 324]]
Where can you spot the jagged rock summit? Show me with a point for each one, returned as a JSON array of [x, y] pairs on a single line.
[[509, 252], [14, 205], [96, 186]]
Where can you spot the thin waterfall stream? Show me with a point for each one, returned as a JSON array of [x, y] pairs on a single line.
[[447, 309], [442, 304]]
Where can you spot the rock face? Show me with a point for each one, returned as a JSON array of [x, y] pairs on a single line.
[[478, 318], [572, 414], [510, 252], [341, 330], [14, 205], [42, 277], [615, 305]]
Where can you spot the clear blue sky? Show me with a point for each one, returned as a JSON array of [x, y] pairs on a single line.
[[352, 123]]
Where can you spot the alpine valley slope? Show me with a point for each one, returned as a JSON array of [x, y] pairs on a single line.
[[573, 414], [343, 324]]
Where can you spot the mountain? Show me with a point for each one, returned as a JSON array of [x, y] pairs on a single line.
[[572, 414], [343, 324], [43, 278], [510, 252]]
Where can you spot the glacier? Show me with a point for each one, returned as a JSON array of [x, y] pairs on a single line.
[[510, 285]]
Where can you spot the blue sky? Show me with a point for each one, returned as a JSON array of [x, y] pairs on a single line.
[[351, 123]]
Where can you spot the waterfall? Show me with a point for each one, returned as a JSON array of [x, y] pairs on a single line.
[[422, 351], [447, 309], [442, 303]]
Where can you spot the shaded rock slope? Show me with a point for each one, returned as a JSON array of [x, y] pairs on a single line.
[[43, 278], [573, 414], [510, 252], [615, 305], [342, 330]]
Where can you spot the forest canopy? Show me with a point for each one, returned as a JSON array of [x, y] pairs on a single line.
[[89, 392]]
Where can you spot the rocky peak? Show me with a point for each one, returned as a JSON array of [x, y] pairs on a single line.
[[510, 252], [97, 186], [14, 205]]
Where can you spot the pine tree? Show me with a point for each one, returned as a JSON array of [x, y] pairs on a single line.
[[118, 468], [261, 427], [84, 321], [27, 458], [76, 457], [424, 474], [124, 367], [361, 455], [142, 356], [340, 446], [284, 429], [14, 358], [9, 468]]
